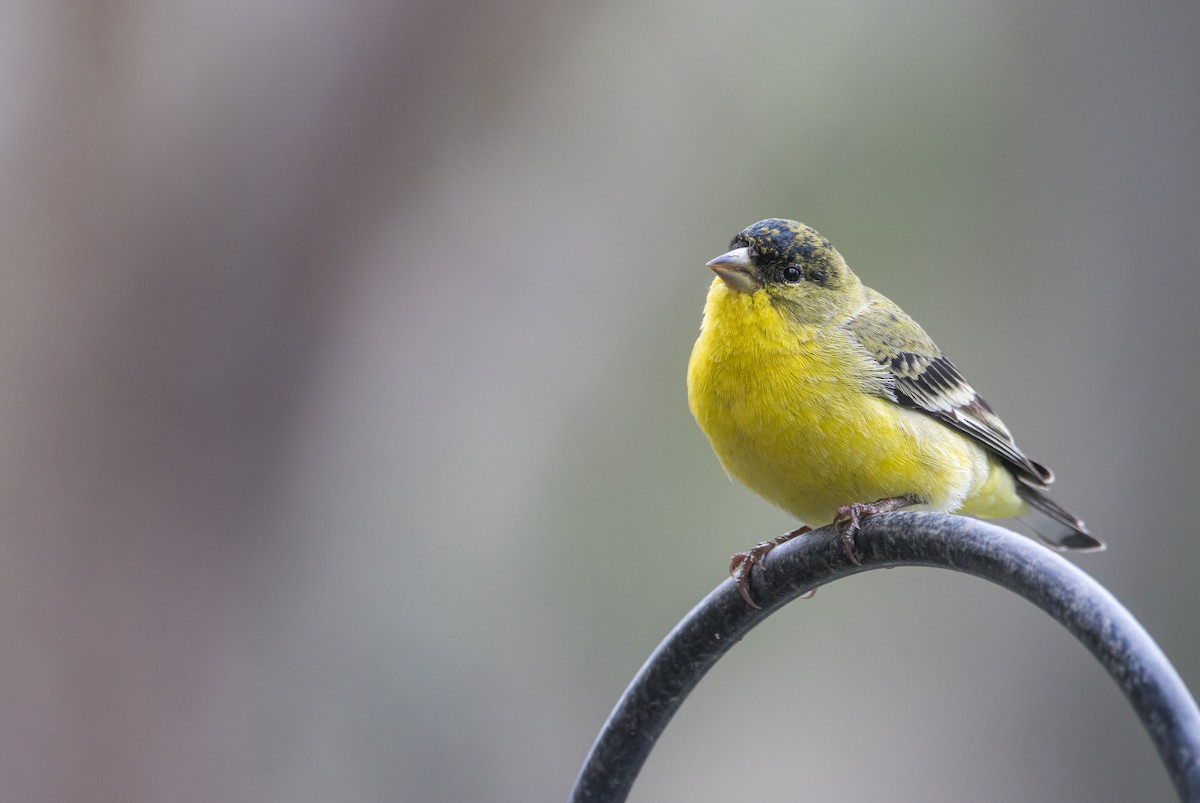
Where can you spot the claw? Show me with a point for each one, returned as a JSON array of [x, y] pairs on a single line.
[[848, 520], [742, 562], [852, 515], [739, 570]]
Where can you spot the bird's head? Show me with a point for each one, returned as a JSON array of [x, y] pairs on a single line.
[[797, 268]]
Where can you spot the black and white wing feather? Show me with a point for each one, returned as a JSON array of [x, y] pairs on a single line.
[[920, 377]]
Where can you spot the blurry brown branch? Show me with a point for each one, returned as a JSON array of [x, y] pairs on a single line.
[[189, 191]]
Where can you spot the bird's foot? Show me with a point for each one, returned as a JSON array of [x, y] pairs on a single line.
[[849, 519], [741, 563]]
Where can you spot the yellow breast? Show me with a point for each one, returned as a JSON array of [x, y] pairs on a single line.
[[793, 413]]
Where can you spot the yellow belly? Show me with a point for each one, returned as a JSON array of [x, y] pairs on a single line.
[[788, 412]]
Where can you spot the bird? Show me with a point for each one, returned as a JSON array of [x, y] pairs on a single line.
[[826, 399]]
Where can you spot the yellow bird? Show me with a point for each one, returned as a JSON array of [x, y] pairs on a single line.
[[825, 398]]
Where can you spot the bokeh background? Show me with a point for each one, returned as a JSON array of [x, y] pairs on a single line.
[[344, 445]]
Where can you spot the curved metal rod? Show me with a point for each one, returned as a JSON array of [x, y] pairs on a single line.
[[1074, 599]]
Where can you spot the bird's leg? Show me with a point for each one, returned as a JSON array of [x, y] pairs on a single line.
[[849, 517], [741, 563]]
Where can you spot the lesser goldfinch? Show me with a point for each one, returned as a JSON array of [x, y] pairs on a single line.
[[826, 399]]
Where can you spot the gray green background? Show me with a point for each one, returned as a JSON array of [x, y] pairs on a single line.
[[344, 446]]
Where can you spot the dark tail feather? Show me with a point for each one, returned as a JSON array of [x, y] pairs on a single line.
[[1053, 524]]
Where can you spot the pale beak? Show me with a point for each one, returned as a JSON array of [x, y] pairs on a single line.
[[737, 270]]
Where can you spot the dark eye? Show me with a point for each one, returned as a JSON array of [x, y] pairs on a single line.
[[792, 274]]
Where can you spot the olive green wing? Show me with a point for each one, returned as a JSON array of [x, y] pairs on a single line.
[[922, 378]]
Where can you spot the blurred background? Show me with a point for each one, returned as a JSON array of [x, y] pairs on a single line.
[[344, 445]]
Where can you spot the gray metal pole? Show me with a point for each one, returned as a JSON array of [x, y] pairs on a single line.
[[1074, 599]]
